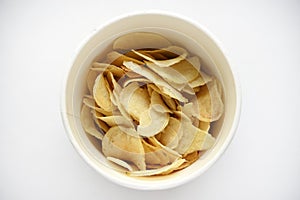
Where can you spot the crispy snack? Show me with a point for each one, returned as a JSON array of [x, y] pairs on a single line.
[[151, 106]]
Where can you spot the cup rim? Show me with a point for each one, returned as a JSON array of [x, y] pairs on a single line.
[[163, 184]]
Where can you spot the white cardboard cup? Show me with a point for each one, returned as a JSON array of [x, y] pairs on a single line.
[[181, 31]]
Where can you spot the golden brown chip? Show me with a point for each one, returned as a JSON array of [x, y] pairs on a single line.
[[98, 122], [120, 145]]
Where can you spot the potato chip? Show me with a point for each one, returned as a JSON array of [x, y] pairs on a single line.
[[140, 40], [169, 136], [193, 139], [116, 71], [135, 100], [101, 93], [190, 159], [92, 104], [116, 120], [91, 77], [140, 79], [200, 80], [181, 55], [157, 100], [210, 103], [152, 121], [164, 86], [120, 145], [161, 171], [121, 163], [102, 125], [117, 59], [88, 123], [186, 69], [156, 155]]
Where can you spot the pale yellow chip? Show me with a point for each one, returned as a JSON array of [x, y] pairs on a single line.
[[120, 145], [160, 171], [152, 121], [101, 92], [182, 54], [200, 80], [121, 163], [104, 67], [186, 69], [156, 155], [163, 85], [91, 77], [156, 99], [169, 136], [90, 102], [88, 123], [102, 125], [193, 139], [140, 40], [210, 102], [116, 120], [117, 59], [135, 100]]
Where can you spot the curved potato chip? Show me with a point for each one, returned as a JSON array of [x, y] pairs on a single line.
[[135, 100], [92, 104], [157, 100], [140, 40], [200, 80], [88, 123], [117, 59], [182, 53], [115, 120], [172, 76], [169, 136], [210, 103], [186, 69], [155, 142], [121, 163], [116, 71], [190, 159], [98, 122], [91, 77], [140, 79], [155, 155], [162, 171], [152, 122], [193, 139], [101, 93], [120, 145], [170, 102], [164, 86]]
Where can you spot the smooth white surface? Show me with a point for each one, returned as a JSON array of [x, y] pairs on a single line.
[[37, 40]]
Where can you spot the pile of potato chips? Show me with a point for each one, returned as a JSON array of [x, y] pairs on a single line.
[[150, 105]]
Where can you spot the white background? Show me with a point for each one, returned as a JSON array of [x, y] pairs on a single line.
[[37, 40]]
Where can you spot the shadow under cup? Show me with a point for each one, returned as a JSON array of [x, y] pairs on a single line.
[[180, 32]]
